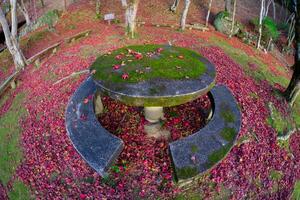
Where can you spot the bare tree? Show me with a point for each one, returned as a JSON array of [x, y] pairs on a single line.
[[130, 17], [124, 3], [174, 6], [24, 11], [208, 13], [293, 89], [11, 40], [228, 5], [233, 19], [98, 4], [65, 5], [43, 3], [261, 16], [184, 13]]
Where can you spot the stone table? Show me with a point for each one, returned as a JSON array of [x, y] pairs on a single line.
[[153, 76]]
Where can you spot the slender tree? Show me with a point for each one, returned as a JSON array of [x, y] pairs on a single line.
[[233, 18], [208, 13], [293, 88], [228, 5], [184, 14], [65, 4], [261, 16], [24, 11], [98, 4], [11, 38], [130, 17], [124, 3], [174, 6]]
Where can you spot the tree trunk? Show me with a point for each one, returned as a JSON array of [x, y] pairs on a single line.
[[12, 42], [124, 3], [233, 18], [98, 3], [261, 16], [208, 13], [228, 6], [184, 14], [25, 13], [174, 6], [130, 17], [43, 3], [293, 89], [65, 5], [14, 20]]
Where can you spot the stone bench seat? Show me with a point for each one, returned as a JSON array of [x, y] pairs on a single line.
[[95, 144], [202, 150]]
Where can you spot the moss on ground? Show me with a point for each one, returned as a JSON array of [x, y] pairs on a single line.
[[275, 175], [167, 65], [19, 191], [296, 191], [280, 123], [261, 73], [10, 150], [194, 148]]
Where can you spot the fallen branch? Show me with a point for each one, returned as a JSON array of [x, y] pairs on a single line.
[[41, 53], [9, 80], [77, 36], [72, 75]]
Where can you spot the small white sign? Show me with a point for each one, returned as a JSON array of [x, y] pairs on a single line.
[[109, 16]]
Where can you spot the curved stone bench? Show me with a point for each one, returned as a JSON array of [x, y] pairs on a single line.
[[96, 145], [202, 150]]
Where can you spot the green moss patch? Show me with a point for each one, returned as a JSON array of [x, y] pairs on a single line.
[[19, 191], [145, 62], [296, 191], [217, 155], [276, 175], [10, 151], [228, 134], [186, 172], [194, 148], [227, 115]]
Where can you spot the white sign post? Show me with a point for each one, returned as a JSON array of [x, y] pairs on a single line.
[[109, 17]]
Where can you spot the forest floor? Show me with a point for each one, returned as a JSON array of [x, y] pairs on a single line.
[[38, 160]]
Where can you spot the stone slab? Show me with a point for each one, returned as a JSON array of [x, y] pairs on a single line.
[[204, 149], [95, 144]]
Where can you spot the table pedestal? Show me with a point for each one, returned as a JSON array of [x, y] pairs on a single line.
[[153, 114]]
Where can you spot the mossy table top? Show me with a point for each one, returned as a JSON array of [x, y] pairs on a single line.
[[153, 75]]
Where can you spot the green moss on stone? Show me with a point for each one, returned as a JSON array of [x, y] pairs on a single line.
[[217, 155], [166, 65], [194, 148], [228, 134], [228, 116], [186, 172]]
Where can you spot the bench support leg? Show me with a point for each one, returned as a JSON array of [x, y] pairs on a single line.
[[98, 104], [153, 114]]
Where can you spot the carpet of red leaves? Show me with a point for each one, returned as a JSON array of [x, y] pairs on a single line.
[[53, 169]]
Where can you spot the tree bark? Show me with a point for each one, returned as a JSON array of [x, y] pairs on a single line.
[[43, 3], [233, 19], [174, 6], [208, 13], [98, 4], [293, 88], [14, 20], [65, 5], [228, 5], [130, 17], [25, 13], [261, 16], [184, 14], [124, 3], [11, 40]]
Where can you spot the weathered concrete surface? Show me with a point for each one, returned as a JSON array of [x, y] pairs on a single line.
[[96, 145]]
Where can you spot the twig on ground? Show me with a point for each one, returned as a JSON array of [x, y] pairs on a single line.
[[71, 75]]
